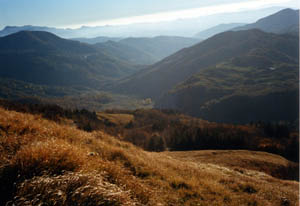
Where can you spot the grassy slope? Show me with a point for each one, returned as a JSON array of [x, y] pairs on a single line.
[[58, 164], [241, 160], [115, 119]]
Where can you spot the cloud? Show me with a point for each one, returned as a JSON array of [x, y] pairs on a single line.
[[188, 13]]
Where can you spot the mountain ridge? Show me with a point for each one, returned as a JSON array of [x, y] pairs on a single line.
[[284, 21], [187, 27], [45, 41], [45, 58], [183, 64]]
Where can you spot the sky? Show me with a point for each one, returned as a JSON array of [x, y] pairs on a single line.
[[77, 13]]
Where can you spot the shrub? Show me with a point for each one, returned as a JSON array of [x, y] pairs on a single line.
[[51, 157]]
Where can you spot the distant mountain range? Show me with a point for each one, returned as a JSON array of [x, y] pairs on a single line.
[[284, 21], [65, 33], [180, 27], [145, 51], [43, 58], [38, 62], [234, 76]]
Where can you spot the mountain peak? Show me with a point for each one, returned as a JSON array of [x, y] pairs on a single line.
[[288, 10], [42, 41], [284, 21], [9, 27], [35, 33], [32, 36]]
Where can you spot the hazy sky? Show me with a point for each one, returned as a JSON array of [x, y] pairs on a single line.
[[76, 13]]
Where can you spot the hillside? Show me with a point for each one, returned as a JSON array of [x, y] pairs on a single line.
[[167, 130], [164, 75], [239, 94], [284, 21], [217, 29], [43, 58], [43, 162], [126, 53], [242, 161]]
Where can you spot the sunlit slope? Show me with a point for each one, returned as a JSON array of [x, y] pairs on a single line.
[[243, 161], [44, 162]]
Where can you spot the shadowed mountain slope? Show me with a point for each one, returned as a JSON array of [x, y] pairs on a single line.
[[126, 53], [159, 78], [43, 58], [230, 93]]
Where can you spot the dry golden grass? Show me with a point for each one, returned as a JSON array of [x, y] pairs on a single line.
[[116, 119], [242, 160], [44, 162]]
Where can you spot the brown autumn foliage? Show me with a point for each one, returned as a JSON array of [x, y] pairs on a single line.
[[160, 130], [43, 162]]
